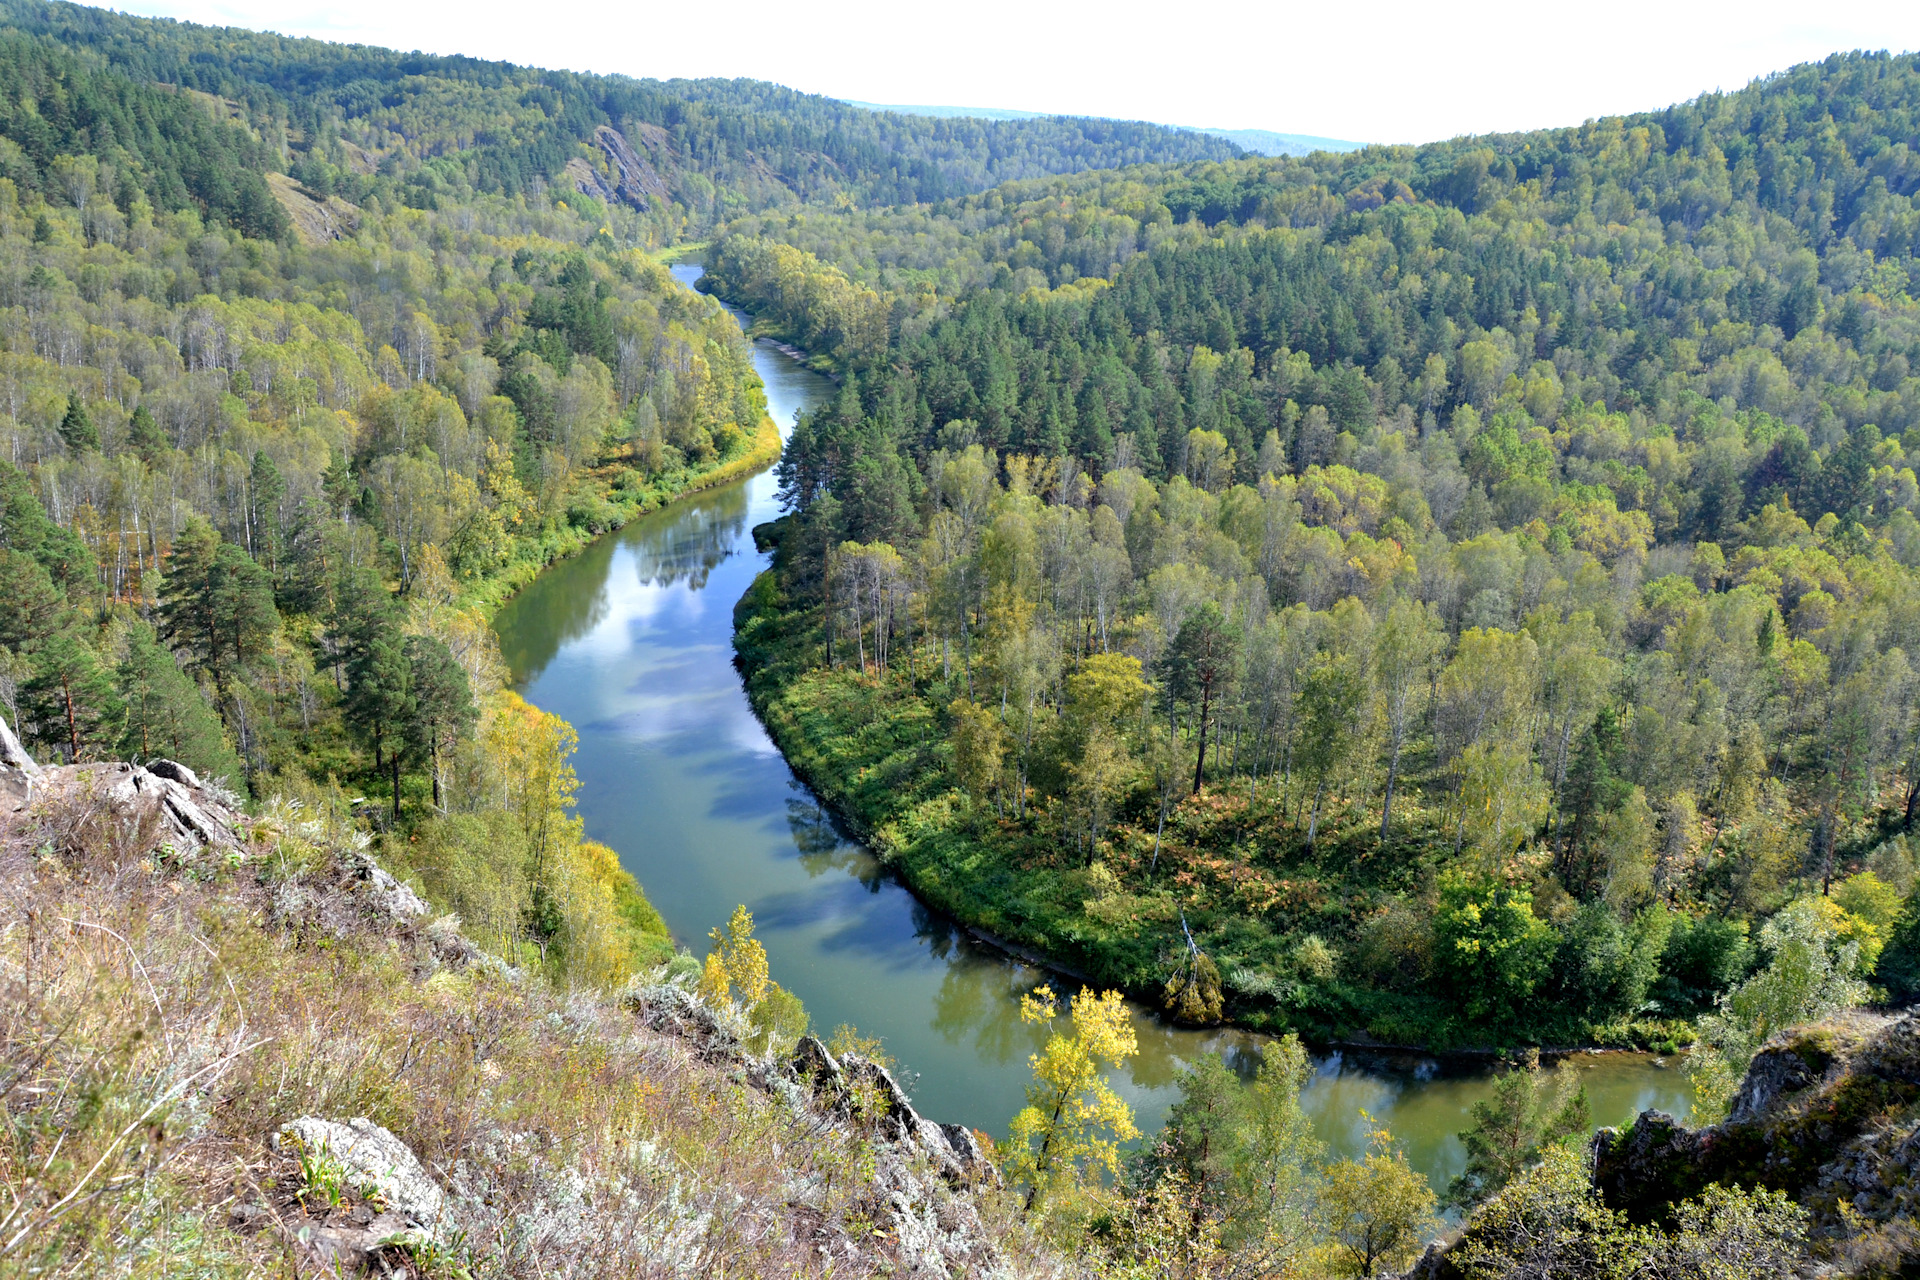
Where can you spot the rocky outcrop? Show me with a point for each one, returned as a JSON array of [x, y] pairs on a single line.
[[639, 181], [162, 802], [922, 1171], [1828, 1114], [623, 176], [858, 1088]]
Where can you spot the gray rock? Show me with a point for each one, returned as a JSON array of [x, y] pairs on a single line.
[[176, 771], [379, 1163], [187, 814], [392, 899], [1774, 1073]]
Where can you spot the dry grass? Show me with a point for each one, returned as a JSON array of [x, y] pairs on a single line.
[[160, 1018]]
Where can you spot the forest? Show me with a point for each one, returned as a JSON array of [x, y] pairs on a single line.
[[420, 130], [313, 352], [1454, 595]]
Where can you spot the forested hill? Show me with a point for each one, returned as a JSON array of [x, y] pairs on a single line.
[[358, 119], [1463, 593], [1821, 157]]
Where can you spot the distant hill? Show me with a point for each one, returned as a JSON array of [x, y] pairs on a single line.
[[1261, 142], [949, 113], [1268, 143]]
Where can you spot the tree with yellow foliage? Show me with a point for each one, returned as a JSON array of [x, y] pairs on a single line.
[[1069, 1132], [735, 977], [737, 963], [1377, 1211]]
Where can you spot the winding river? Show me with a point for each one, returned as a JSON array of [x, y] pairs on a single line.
[[631, 642]]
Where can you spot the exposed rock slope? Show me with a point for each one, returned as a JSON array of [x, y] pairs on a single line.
[[1829, 1114]]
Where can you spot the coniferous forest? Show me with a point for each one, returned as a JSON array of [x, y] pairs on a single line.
[[1462, 597]]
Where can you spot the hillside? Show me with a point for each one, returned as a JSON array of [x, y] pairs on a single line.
[[1469, 587], [678, 155], [233, 1044]]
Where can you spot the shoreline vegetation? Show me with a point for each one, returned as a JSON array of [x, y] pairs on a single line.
[[493, 593]]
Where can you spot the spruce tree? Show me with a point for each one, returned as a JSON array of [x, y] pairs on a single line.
[[144, 434], [77, 428]]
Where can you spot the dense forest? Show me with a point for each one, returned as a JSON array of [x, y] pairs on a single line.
[[1458, 594], [675, 156], [312, 352], [259, 487]]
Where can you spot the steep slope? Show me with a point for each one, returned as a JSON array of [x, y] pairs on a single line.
[[234, 1043]]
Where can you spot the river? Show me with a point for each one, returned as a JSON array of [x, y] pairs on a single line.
[[631, 642]]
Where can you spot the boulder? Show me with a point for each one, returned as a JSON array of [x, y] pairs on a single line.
[[380, 1165], [186, 813]]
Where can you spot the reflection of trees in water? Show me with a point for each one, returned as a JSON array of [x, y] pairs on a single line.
[[689, 545], [979, 1001], [823, 848], [556, 608], [979, 1004], [567, 600]]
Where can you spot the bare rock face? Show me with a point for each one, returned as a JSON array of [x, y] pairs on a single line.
[[639, 181], [626, 178]]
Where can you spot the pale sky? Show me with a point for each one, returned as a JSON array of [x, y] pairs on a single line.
[[1383, 72]]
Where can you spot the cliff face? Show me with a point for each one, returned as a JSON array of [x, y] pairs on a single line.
[[1827, 1114], [236, 1038]]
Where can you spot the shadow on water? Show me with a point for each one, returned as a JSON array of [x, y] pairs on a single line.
[[631, 642]]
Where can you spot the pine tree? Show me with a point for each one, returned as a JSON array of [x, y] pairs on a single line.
[[26, 528], [267, 487], [216, 604], [379, 701], [442, 706], [166, 716], [70, 698], [188, 621], [31, 607]]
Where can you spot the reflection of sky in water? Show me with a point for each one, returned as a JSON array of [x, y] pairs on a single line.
[[632, 642]]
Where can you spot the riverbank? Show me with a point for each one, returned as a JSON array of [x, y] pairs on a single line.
[[1296, 934], [619, 505]]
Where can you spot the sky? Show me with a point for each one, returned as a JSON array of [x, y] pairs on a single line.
[[1381, 72]]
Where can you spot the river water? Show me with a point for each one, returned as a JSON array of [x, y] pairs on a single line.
[[631, 642]]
